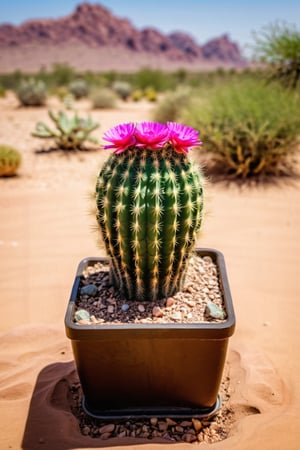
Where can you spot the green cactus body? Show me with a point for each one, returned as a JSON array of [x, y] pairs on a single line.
[[10, 160], [149, 211]]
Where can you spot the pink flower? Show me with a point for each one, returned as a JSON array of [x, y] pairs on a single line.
[[152, 135], [121, 137], [181, 137]]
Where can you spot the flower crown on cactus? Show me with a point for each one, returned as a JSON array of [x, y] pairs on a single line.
[[149, 206], [151, 135]]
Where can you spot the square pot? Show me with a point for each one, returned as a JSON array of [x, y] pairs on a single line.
[[151, 370]]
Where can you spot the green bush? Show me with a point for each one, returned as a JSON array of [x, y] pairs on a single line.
[[32, 92], [70, 133], [157, 79], [104, 99], [278, 45], [172, 105], [79, 88], [10, 160], [248, 128]]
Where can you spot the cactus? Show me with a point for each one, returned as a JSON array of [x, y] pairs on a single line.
[[10, 160], [32, 93], [79, 88], [122, 89], [70, 133], [149, 207], [104, 98]]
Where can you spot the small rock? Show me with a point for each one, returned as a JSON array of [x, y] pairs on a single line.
[[109, 428], [86, 430], [157, 312], [153, 421], [207, 259], [179, 429], [214, 311], [141, 308], [162, 426], [170, 302], [110, 309], [122, 434], [82, 314], [190, 303], [105, 435], [188, 437], [125, 307], [89, 289], [186, 423], [170, 422], [197, 424], [93, 319], [176, 316]]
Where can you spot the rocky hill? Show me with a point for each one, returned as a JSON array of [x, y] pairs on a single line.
[[92, 38]]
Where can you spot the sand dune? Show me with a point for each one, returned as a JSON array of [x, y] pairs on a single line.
[[46, 228]]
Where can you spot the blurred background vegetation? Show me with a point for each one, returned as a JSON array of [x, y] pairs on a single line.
[[249, 119]]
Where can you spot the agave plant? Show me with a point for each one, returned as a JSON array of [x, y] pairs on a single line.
[[149, 206], [71, 132]]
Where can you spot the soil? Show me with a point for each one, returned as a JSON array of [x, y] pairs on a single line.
[[201, 288]]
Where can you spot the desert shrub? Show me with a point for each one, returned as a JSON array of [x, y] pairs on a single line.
[[159, 80], [61, 92], [171, 106], [61, 75], [70, 133], [10, 160], [248, 128], [32, 92], [79, 88], [2, 91], [104, 98], [150, 94], [122, 88], [278, 45]]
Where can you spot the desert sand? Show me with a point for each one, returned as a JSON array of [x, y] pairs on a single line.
[[46, 228]]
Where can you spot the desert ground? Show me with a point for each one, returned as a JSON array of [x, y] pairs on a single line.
[[47, 227]]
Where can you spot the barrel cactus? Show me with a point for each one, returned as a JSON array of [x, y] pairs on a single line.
[[149, 198], [32, 92], [10, 160]]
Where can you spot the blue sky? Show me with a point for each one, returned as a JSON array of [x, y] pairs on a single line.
[[203, 19]]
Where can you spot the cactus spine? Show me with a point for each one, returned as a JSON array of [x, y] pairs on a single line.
[[149, 210]]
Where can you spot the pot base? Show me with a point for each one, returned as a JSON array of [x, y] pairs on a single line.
[[160, 413]]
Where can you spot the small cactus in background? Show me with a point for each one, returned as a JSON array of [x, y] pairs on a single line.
[[149, 207], [10, 160], [2, 91], [137, 95], [104, 98], [32, 92], [79, 88], [122, 89], [151, 94], [70, 133]]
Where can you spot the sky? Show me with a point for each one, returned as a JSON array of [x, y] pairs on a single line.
[[202, 19]]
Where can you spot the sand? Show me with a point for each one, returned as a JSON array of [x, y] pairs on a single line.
[[46, 228]]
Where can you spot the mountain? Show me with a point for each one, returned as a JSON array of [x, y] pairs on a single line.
[[92, 38]]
